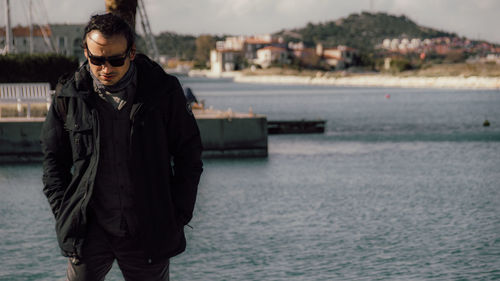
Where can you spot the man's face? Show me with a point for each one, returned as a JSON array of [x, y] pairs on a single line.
[[113, 48]]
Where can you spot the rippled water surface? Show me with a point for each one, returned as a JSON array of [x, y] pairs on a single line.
[[405, 188]]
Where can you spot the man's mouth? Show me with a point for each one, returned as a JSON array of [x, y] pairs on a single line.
[[107, 76]]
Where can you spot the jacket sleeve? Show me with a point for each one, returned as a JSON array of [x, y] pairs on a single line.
[[186, 149], [57, 158]]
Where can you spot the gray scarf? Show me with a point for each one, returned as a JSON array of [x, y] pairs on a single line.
[[116, 94]]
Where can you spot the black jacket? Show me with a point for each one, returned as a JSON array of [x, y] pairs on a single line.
[[165, 149]]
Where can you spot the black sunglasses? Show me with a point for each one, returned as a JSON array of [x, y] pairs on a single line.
[[117, 60]]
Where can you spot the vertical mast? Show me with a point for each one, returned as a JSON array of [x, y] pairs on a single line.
[[30, 19], [9, 47], [149, 37]]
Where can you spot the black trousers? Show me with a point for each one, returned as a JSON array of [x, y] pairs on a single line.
[[100, 251]]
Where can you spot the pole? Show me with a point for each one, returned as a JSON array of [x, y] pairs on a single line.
[[8, 32], [30, 19]]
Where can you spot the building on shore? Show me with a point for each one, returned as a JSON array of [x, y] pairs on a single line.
[[39, 43], [304, 55], [225, 60], [265, 50], [339, 57], [229, 54], [64, 39], [271, 55], [68, 39]]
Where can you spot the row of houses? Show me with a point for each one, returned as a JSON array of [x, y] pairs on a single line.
[[64, 39], [440, 45], [266, 50]]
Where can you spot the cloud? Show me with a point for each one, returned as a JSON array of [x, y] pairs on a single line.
[[239, 8]]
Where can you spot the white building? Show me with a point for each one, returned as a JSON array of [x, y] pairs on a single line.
[[269, 55], [415, 43], [224, 60], [386, 44]]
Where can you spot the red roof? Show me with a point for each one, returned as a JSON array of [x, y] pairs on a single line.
[[24, 31], [257, 41], [273, 48]]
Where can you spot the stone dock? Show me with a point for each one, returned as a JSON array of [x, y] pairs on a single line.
[[223, 133]]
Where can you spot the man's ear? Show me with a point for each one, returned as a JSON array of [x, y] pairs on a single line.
[[132, 52], [85, 53]]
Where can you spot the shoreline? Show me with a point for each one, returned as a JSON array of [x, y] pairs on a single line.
[[367, 80], [443, 82]]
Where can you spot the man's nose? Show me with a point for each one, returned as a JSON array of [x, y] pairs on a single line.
[[106, 67]]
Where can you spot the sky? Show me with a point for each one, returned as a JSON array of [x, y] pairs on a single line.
[[475, 19]]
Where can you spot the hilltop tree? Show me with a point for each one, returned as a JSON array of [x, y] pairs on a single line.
[[204, 43]]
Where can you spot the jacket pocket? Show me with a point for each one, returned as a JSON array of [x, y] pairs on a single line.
[[82, 139]]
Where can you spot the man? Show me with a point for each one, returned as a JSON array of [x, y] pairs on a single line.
[[121, 159]]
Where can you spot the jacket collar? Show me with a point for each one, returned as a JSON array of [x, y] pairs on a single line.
[[149, 79]]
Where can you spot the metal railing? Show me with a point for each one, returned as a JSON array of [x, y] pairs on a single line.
[[25, 93]]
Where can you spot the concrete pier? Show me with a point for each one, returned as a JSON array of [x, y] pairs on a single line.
[[228, 134], [20, 139], [224, 134]]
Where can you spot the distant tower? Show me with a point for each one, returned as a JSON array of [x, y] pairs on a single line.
[[371, 7]]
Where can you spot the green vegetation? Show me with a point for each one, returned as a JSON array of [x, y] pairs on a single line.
[[401, 64], [176, 45], [172, 44], [361, 31], [35, 68], [204, 44], [183, 47]]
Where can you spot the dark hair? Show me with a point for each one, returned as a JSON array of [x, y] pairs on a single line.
[[109, 25]]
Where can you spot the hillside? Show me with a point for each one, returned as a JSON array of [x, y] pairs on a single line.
[[172, 45], [361, 31]]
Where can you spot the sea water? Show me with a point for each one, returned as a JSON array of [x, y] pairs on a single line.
[[403, 185]]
